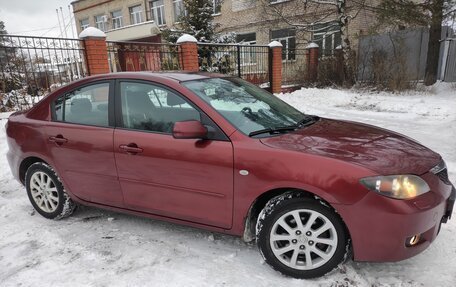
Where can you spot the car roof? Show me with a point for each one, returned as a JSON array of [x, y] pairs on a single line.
[[177, 76], [189, 76]]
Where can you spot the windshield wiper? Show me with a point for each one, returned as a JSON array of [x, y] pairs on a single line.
[[307, 121], [272, 130]]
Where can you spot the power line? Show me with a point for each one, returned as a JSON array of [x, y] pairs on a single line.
[[65, 28], [55, 27], [27, 31], [64, 24], [49, 29]]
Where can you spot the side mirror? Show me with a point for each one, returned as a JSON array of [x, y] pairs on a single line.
[[189, 130]]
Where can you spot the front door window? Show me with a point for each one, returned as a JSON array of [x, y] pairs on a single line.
[[153, 108]]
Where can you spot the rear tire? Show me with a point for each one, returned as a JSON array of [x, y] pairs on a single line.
[[46, 192], [301, 237]]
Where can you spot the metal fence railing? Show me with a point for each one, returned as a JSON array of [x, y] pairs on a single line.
[[294, 67], [251, 63], [30, 66], [142, 56]]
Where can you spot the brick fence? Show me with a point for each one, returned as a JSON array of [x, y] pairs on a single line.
[[96, 55], [97, 58]]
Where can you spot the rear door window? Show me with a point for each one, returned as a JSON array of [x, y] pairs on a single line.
[[87, 106]]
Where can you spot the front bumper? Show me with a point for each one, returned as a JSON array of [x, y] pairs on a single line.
[[379, 226]]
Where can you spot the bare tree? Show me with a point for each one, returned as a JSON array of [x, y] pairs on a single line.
[[324, 17]]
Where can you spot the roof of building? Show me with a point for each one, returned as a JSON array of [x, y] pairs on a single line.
[[75, 1]]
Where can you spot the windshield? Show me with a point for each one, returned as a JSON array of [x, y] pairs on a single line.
[[249, 108]]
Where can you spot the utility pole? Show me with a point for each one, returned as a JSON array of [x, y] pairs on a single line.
[[68, 58], [61, 35], [72, 26], [77, 59], [63, 21], [58, 19]]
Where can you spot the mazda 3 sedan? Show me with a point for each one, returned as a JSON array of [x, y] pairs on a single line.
[[216, 152]]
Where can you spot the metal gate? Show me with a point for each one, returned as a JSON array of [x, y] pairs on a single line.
[[448, 66], [250, 62]]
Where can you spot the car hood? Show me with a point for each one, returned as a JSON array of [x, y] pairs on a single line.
[[382, 151]]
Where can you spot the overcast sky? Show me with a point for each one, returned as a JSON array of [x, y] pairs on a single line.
[[34, 17]]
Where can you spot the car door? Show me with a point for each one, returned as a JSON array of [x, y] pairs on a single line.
[[187, 179], [80, 141]]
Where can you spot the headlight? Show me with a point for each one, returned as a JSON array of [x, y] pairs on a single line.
[[396, 186]]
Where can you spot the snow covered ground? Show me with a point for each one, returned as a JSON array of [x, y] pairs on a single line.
[[99, 248]]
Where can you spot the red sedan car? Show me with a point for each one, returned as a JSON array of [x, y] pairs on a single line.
[[216, 152]]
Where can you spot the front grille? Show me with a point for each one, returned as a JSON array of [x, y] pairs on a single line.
[[443, 175]]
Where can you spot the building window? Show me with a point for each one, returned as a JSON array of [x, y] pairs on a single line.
[[246, 39], [179, 9], [286, 37], [327, 36], [84, 23], [217, 6], [135, 14], [248, 56], [100, 22], [158, 12], [116, 19]]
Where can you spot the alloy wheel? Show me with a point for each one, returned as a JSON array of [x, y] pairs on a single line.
[[44, 192], [303, 239]]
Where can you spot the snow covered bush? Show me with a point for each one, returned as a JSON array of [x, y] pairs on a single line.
[[18, 100]]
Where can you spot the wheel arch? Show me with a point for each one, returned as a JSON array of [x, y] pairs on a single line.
[[26, 163], [260, 202]]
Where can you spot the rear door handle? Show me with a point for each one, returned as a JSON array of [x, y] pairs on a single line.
[[131, 148], [58, 139]]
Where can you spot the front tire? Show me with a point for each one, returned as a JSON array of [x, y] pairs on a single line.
[[46, 192], [301, 237]]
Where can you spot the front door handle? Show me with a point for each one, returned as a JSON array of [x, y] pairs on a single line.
[[58, 139], [131, 148]]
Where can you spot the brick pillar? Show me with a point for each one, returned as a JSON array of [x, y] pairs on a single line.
[[188, 53], [276, 66], [96, 53], [312, 62]]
